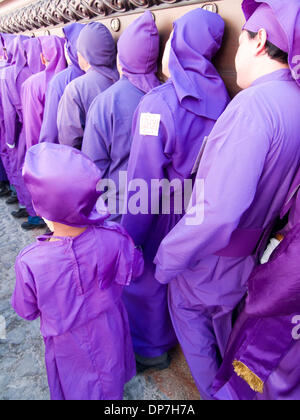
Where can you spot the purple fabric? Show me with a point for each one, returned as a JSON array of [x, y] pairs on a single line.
[[248, 165], [97, 46], [12, 145], [74, 285], [57, 86], [70, 196], [19, 59], [262, 338], [7, 42], [107, 135], [138, 64], [53, 51], [74, 106], [287, 13], [33, 91], [264, 17], [72, 32], [169, 155], [255, 342], [192, 73], [274, 288]]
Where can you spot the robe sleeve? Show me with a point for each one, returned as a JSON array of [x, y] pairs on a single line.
[[149, 158], [33, 110], [70, 118], [231, 167], [24, 299], [49, 132], [97, 135]]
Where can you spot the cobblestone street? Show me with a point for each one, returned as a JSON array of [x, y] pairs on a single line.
[[22, 370]]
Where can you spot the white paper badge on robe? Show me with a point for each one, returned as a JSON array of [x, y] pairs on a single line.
[[149, 124]]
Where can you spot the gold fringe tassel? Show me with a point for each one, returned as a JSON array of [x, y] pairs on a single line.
[[245, 373]]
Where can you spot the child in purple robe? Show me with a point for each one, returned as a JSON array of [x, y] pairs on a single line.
[[248, 164], [49, 131], [107, 136], [97, 57], [73, 279], [169, 127], [25, 62], [33, 95]]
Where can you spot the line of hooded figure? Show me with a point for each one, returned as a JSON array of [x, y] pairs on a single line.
[[202, 284]]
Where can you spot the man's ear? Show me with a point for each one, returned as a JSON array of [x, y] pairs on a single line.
[[261, 39]]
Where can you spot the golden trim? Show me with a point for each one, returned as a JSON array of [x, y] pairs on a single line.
[[245, 373]]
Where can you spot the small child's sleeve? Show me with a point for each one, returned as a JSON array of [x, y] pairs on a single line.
[[24, 300]]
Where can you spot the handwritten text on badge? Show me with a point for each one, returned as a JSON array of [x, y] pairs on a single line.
[[149, 124]]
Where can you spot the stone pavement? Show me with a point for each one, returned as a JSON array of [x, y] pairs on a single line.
[[22, 370]]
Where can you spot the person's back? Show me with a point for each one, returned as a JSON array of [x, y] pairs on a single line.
[[169, 127], [56, 88], [107, 137], [73, 279], [248, 165], [77, 285], [97, 57]]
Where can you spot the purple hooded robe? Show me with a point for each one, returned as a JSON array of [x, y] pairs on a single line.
[[188, 105], [248, 165], [34, 89], [3, 63], [107, 135], [49, 131], [75, 284], [264, 345], [24, 63], [97, 47]]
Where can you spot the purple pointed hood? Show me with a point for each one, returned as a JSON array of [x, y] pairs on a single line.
[[19, 59], [53, 50], [72, 32], [197, 36], [7, 42], [281, 19], [33, 50], [138, 50], [97, 46], [62, 182]]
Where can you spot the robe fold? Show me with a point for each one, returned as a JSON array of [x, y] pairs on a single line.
[[168, 152], [262, 357], [107, 137], [247, 166], [13, 145], [97, 46], [49, 131], [75, 285]]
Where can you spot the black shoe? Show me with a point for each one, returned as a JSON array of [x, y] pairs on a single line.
[[31, 226], [21, 213], [5, 191], [13, 199], [159, 363]]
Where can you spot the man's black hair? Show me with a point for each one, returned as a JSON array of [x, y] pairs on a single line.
[[274, 52]]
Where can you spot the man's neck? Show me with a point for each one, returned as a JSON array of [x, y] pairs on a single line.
[[268, 67]]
